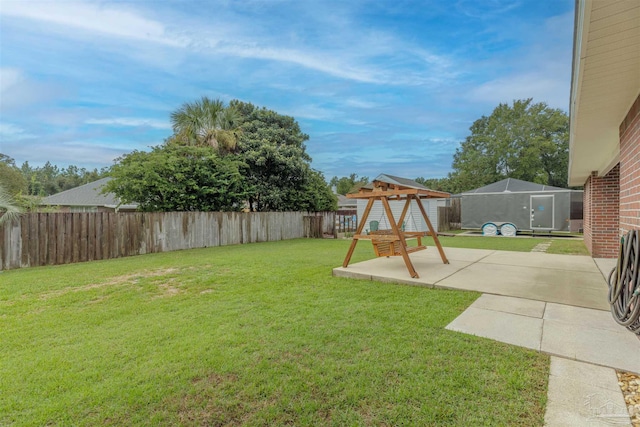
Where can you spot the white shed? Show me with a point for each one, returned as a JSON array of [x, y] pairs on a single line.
[[414, 220]]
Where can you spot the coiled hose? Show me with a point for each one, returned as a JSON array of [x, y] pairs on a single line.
[[624, 284]]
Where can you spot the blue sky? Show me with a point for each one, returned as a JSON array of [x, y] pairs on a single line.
[[381, 86]]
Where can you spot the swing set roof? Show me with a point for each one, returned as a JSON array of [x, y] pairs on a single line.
[[396, 187]]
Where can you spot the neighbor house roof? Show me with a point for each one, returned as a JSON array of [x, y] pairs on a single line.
[[344, 201], [86, 195], [605, 82], [512, 185]]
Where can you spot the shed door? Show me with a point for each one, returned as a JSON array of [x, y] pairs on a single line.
[[542, 212]]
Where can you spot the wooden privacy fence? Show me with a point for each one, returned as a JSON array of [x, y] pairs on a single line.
[[313, 227], [328, 220], [346, 223], [61, 238], [449, 216]]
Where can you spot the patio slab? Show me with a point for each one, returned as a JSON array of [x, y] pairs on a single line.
[[538, 259], [427, 263], [618, 349], [584, 289], [523, 331], [564, 279], [581, 394], [454, 254], [576, 333], [523, 307], [605, 265], [583, 317]]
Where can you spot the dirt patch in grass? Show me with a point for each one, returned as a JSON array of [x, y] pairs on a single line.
[[214, 379], [216, 401], [167, 289], [127, 279]]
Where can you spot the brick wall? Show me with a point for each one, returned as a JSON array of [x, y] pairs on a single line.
[[601, 212], [586, 214], [612, 202], [630, 169]]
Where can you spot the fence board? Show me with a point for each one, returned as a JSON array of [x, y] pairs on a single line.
[[3, 245], [449, 216], [44, 239]]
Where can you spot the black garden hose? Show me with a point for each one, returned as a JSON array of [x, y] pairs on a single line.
[[624, 284]]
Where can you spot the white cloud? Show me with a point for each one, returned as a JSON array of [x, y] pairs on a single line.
[[359, 103], [80, 153], [91, 17], [540, 87], [354, 61], [130, 121], [486, 9], [356, 122], [15, 133], [336, 66], [17, 90], [541, 72], [311, 112], [9, 77]]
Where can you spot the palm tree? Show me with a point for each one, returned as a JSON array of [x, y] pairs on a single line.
[[9, 211], [206, 122]]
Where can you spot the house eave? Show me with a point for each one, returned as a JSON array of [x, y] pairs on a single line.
[[605, 82]]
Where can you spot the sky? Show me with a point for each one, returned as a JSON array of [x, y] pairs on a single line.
[[380, 86]]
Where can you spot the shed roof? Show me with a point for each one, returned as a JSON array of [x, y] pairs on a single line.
[[512, 185], [86, 195], [405, 182], [388, 185]]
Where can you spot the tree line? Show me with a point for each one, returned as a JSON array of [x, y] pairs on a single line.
[[42, 181], [218, 158], [239, 156], [524, 140]]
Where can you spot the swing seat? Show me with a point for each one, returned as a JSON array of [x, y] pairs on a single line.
[[386, 243]]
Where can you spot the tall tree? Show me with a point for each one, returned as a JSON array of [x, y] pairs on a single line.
[[50, 179], [11, 177], [317, 195], [525, 140], [278, 166], [268, 169], [206, 122], [174, 177], [9, 209], [439, 184], [349, 183]]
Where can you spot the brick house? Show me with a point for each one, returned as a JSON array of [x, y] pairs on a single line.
[[604, 145]]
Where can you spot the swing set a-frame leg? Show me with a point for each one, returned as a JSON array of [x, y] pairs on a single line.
[[433, 232], [403, 242], [354, 242]]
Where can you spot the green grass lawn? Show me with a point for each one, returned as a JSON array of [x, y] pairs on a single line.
[[568, 247], [258, 334], [558, 245]]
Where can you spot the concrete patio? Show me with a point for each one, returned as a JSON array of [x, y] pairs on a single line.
[[556, 304], [562, 279]]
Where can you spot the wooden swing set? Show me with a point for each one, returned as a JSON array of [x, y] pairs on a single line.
[[393, 241]]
